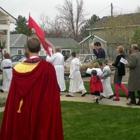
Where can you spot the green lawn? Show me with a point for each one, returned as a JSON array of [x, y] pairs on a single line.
[[88, 121], [2, 101]]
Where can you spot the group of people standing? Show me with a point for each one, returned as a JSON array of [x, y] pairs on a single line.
[[104, 88], [134, 77], [76, 82], [33, 109]]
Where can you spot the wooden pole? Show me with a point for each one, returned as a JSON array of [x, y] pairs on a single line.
[[111, 10], [28, 29]]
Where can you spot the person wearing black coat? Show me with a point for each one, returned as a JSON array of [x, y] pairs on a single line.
[[119, 73]]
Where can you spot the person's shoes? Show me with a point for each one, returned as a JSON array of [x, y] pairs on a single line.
[[138, 103], [83, 94], [116, 99], [1, 90], [96, 103], [96, 100], [130, 104], [68, 95], [101, 97], [128, 96], [110, 97]]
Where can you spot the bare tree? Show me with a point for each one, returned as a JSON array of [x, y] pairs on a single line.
[[44, 21], [137, 10], [56, 29], [72, 21], [52, 28]]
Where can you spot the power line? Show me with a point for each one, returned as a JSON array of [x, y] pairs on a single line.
[[103, 9], [123, 9]]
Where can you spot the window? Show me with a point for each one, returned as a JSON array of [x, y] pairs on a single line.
[[89, 58], [16, 58], [19, 51], [66, 52]]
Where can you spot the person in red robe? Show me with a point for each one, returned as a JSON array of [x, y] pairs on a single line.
[[95, 85], [33, 109]]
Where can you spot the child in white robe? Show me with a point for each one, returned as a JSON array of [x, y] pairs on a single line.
[[107, 90], [76, 82]]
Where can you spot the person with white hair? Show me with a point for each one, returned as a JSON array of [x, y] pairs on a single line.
[[57, 59]]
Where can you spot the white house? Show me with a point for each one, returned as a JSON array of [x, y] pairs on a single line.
[[5, 20]]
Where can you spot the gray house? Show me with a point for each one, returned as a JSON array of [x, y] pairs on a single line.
[[67, 45], [112, 31], [18, 42]]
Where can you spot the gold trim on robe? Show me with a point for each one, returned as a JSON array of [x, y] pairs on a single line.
[[24, 67]]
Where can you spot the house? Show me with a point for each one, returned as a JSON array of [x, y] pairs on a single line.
[[18, 42], [112, 31], [67, 45], [5, 20]]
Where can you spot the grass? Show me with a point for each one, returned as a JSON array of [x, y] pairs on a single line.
[[88, 121], [2, 101]]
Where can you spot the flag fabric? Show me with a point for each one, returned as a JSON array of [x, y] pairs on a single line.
[[40, 34]]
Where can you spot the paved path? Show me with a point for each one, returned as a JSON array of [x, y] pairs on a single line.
[[88, 98]]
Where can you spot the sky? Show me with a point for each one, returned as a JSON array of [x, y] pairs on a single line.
[[48, 7]]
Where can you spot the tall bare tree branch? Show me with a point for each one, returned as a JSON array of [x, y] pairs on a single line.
[[72, 21]]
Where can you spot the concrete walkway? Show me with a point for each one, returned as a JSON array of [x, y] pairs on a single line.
[[88, 99]]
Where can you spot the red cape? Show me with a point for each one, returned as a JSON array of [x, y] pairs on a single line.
[[40, 117]]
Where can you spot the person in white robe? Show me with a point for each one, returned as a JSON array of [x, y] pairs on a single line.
[[6, 67], [76, 82], [57, 59], [107, 90], [96, 67]]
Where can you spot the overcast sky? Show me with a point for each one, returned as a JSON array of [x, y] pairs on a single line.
[[37, 7]]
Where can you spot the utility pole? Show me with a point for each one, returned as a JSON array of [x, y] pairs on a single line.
[[111, 10]]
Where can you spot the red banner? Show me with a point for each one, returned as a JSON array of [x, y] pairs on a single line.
[[40, 34]]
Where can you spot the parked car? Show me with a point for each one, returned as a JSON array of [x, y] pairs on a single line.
[[86, 60], [16, 57], [23, 58]]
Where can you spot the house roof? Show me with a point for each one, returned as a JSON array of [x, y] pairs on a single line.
[[94, 37], [6, 16], [17, 40], [62, 42], [119, 21]]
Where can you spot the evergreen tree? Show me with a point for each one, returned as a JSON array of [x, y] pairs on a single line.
[[91, 21], [21, 26]]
